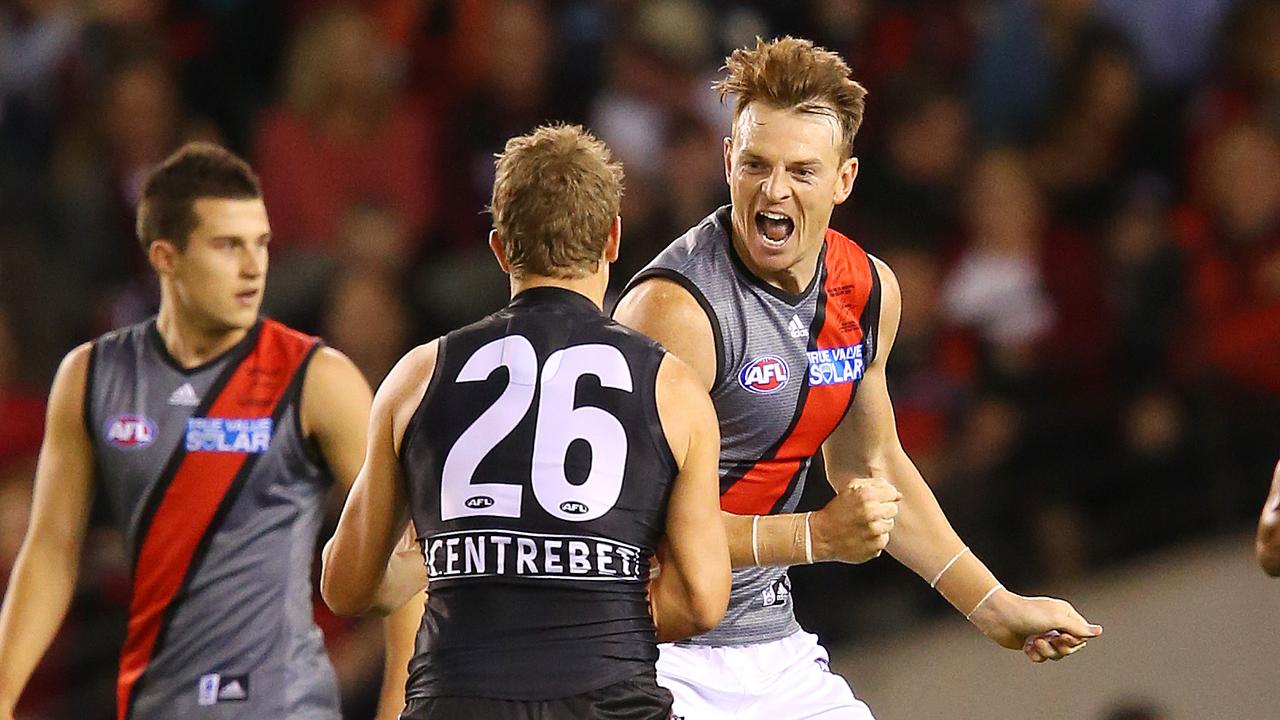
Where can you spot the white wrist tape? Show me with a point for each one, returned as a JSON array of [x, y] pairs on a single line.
[[808, 539], [755, 539], [986, 597], [934, 582]]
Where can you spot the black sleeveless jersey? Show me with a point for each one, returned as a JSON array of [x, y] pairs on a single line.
[[538, 478]]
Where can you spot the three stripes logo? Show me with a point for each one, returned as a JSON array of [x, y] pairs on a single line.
[[185, 396], [797, 328]]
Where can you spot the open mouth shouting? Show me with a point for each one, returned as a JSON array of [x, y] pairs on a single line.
[[775, 228]]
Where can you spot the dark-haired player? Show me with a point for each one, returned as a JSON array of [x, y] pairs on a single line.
[[215, 436]]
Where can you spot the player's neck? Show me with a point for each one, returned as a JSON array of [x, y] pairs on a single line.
[[190, 343], [592, 286]]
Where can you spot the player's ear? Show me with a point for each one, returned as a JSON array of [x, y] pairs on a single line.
[[163, 256], [614, 242], [499, 249], [728, 159], [844, 183]]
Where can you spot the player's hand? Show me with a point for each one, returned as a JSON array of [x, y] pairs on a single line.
[[854, 526], [405, 576], [1043, 628]]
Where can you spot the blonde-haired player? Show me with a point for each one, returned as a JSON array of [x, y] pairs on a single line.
[[789, 325]]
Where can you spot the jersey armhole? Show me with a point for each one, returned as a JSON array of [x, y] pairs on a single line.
[[415, 420], [86, 407], [692, 289], [303, 367], [870, 319]]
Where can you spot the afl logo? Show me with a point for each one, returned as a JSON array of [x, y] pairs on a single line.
[[573, 507], [131, 431], [764, 375], [478, 502]]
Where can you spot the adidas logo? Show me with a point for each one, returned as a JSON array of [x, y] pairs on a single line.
[[184, 396], [797, 328], [215, 688], [232, 690]]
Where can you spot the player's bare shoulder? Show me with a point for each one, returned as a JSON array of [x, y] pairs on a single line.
[[332, 385], [667, 312], [71, 381], [406, 385]]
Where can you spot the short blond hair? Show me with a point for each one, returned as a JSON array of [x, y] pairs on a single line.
[[555, 196], [793, 73]]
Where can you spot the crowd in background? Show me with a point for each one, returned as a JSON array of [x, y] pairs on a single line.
[[1080, 198]]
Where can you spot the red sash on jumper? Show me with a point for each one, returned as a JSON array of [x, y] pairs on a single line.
[[194, 494]]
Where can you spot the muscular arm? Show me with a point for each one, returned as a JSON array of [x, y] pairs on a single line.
[[690, 594], [666, 312], [356, 576], [1268, 542], [44, 574], [866, 444]]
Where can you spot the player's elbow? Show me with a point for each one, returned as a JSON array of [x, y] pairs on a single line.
[[708, 604], [341, 598], [706, 614], [342, 593]]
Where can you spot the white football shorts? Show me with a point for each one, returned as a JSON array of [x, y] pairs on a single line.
[[787, 679]]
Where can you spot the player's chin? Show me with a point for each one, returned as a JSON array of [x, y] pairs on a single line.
[[773, 257], [240, 318]]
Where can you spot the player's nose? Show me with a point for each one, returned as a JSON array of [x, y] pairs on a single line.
[[775, 186]]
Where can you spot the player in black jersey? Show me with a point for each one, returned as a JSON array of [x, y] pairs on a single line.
[[546, 454]]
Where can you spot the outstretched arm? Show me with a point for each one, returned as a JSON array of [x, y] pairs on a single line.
[[361, 570], [1268, 542], [44, 574], [691, 592], [866, 445]]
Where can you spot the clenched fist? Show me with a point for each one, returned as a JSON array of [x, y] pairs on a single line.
[[854, 527]]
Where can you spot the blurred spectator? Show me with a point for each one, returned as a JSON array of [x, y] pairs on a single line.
[[1234, 245], [344, 134], [1146, 286], [101, 162], [369, 321], [38, 43], [908, 193], [513, 94], [1089, 141], [1023, 47], [1175, 38], [997, 289], [21, 406], [1247, 85], [653, 69]]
